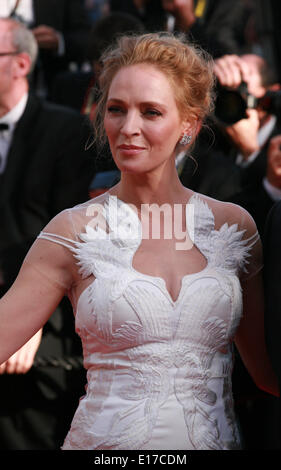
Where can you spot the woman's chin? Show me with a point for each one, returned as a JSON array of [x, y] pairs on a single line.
[[131, 167]]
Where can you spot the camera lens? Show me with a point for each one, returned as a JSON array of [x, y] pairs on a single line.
[[230, 106]]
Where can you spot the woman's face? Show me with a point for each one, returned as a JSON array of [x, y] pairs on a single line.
[[142, 120]]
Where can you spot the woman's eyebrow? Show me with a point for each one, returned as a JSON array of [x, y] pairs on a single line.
[[145, 103]]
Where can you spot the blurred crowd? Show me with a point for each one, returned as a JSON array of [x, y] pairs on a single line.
[[49, 161]]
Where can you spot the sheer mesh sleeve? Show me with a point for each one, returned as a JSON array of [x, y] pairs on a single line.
[[251, 260], [55, 245], [51, 254], [249, 247], [254, 262]]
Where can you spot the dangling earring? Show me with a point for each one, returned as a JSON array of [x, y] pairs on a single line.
[[185, 140]]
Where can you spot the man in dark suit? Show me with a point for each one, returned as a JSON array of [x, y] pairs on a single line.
[[259, 196], [272, 281], [44, 169]]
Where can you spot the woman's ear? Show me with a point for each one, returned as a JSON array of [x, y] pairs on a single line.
[[191, 129], [187, 128]]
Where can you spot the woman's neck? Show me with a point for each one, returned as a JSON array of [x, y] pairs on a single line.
[[149, 189]]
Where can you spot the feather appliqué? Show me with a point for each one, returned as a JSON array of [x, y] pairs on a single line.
[[225, 248]]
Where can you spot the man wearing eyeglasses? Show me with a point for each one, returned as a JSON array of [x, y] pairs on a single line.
[[44, 169]]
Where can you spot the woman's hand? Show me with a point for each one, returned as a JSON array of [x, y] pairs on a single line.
[[22, 361]]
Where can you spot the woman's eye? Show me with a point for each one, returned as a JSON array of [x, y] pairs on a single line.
[[114, 109], [152, 112]]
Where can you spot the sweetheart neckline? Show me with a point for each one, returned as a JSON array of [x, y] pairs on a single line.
[[162, 280], [153, 280], [150, 276]]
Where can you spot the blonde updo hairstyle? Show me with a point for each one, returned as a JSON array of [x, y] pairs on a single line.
[[188, 68]]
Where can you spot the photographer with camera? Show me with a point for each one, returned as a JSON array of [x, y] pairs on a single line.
[[257, 135], [239, 161]]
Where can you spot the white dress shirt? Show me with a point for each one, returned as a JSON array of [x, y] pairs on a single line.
[[11, 118], [24, 9]]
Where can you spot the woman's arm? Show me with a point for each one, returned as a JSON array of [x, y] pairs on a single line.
[[250, 338], [45, 277]]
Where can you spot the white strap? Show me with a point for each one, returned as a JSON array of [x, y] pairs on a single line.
[[52, 237], [251, 241]]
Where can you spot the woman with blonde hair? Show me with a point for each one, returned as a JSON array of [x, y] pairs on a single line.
[[162, 280]]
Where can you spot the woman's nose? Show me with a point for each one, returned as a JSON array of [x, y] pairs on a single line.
[[130, 124]]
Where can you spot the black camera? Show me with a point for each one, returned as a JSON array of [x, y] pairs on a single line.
[[231, 105]]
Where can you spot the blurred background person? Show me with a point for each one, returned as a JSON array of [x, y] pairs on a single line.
[[217, 25], [80, 89], [61, 31]]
